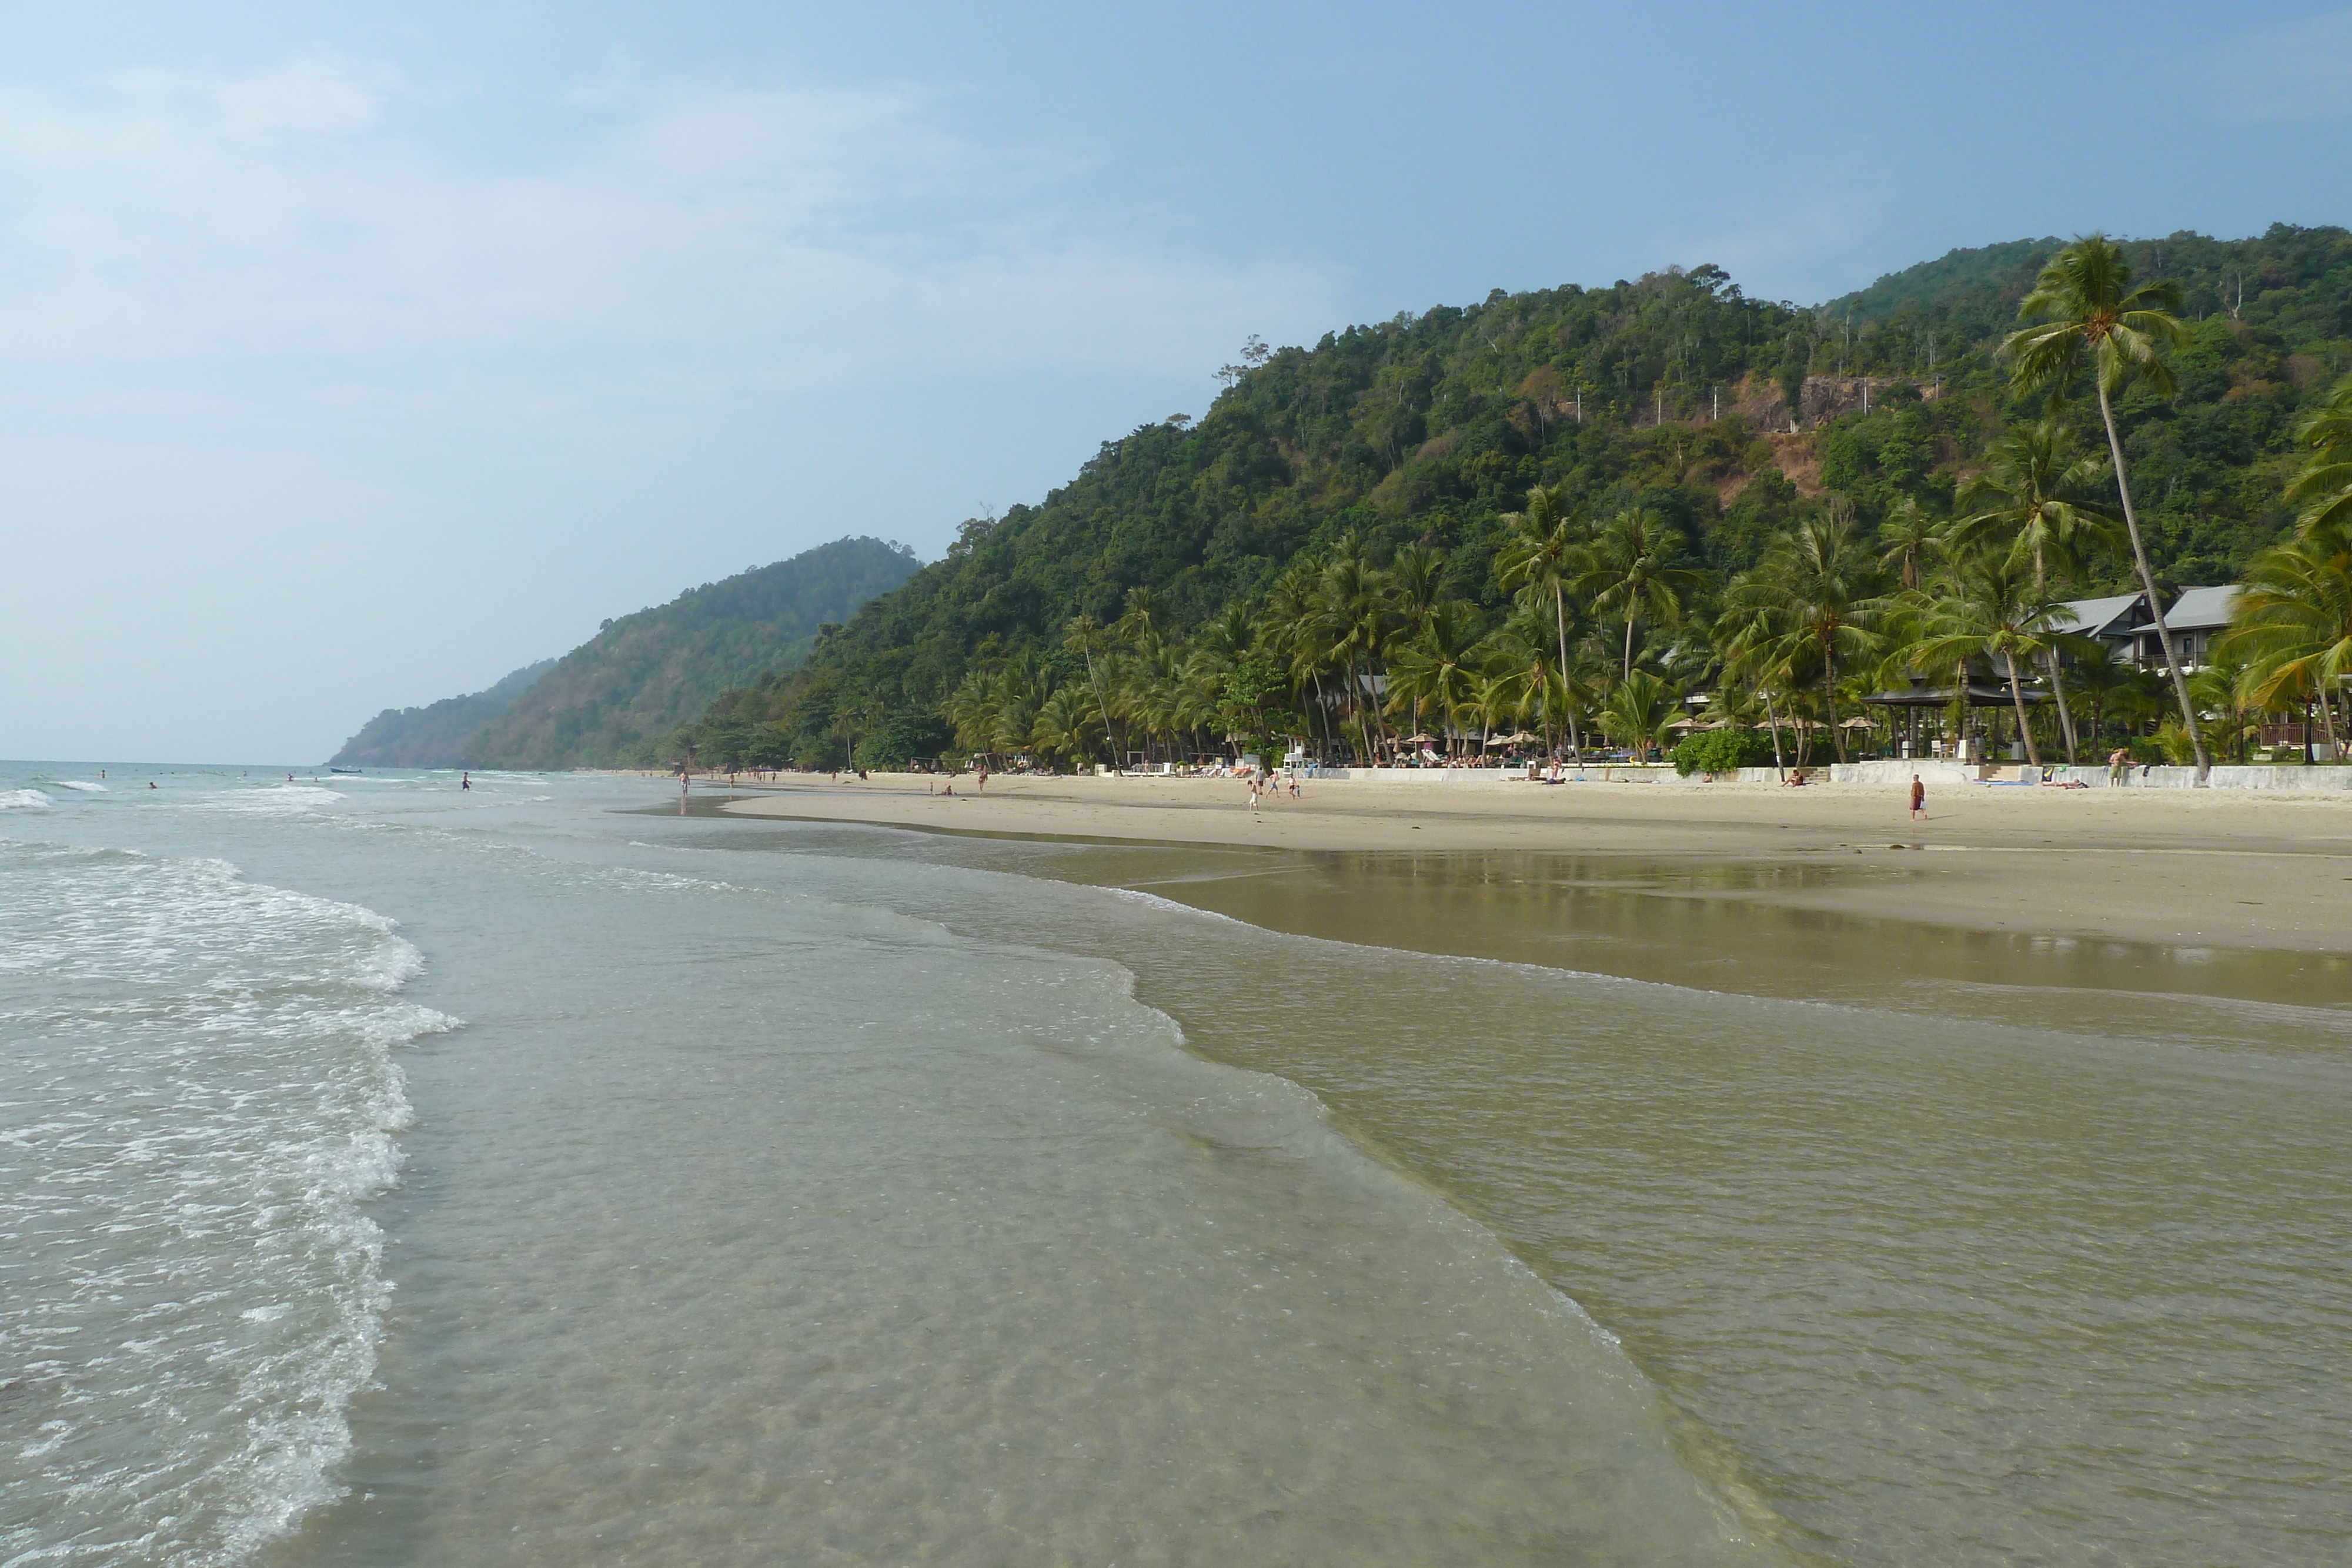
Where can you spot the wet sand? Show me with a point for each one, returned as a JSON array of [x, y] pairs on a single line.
[[2175, 869]]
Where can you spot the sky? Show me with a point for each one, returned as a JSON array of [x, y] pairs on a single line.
[[351, 357]]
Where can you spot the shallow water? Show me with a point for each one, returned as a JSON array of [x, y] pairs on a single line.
[[749, 1218], [801, 1194]]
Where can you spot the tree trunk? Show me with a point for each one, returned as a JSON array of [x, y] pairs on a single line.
[[1829, 695], [1779, 769], [2155, 604], [1109, 737], [2017, 700], [2066, 719], [1559, 616]]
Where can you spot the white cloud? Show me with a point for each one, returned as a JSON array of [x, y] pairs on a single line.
[[786, 236], [2300, 71]]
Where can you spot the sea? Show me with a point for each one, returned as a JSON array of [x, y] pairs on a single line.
[[549, 1172]]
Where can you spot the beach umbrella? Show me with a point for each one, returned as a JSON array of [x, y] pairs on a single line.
[[1419, 741], [1854, 724]]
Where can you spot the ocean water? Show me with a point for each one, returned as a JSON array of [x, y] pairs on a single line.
[[396, 1174]]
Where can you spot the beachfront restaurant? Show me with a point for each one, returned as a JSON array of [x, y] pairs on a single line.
[[1918, 710]]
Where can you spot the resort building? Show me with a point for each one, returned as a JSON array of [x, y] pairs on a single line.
[[2123, 623]]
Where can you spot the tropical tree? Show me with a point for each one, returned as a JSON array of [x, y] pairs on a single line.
[[2034, 498], [1438, 669], [1084, 637], [1542, 553], [1357, 618], [2293, 623], [1064, 727], [1992, 611], [1758, 653], [1639, 709], [2087, 313], [1906, 538], [2326, 481], [1636, 567], [1817, 589], [1519, 681]]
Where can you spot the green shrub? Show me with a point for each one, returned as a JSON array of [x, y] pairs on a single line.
[[1722, 751]]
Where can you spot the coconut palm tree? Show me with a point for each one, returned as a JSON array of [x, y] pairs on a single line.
[[2086, 313], [1639, 709], [1818, 588], [1087, 638], [1064, 727], [1758, 654], [1636, 567], [1543, 552], [1992, 610], [1357, 618], [2034, 497], [1438, 669], [2294, 623], [2326, 481], [1906, 538]]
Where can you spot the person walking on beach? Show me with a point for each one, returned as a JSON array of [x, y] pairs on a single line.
[[1919, 799], [2117, 760], [1253, 794]]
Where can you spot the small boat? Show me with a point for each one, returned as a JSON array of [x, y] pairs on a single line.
[[343, 770]]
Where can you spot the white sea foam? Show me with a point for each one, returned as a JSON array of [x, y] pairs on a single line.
[[88, 786], [1152, 900], [23, 799], [269, 799], [202, 1099]]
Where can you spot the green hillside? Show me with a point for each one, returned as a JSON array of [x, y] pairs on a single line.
[[1672, 393], [438, 735], [605, 703]]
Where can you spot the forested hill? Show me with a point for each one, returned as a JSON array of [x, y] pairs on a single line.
[[1731, 417], [437, 735], [614, 696]]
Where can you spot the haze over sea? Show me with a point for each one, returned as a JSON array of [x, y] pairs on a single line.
[[392, 1174]]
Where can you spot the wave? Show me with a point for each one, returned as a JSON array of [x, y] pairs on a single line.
[[88, 786], [206, 1100], [24, 801]]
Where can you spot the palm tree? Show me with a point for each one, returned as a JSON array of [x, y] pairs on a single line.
[[2099, 679], [1993, 610], [2033, 496], [1541, 555], [1636, 567], [1358, 619], [1906, 538], [2326, 478], [2294, 622], [2094, 314], [1758, 653], [1088, 638], [1817, 587], [1639, 710], [1438, 667], [1063, 725]]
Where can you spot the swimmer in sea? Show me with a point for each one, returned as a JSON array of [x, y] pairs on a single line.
[[464, 781]]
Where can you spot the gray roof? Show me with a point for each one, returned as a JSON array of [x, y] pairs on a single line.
[[2201, 609], [2118, 615], [2093, 616]]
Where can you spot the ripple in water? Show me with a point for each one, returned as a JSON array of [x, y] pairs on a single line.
[[197, 1096]]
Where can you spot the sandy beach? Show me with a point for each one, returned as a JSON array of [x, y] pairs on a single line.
[[2204, 869]]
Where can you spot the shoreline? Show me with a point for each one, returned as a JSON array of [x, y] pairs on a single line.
[[2266, 874]]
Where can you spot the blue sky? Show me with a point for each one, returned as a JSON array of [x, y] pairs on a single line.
[[357, 355]]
